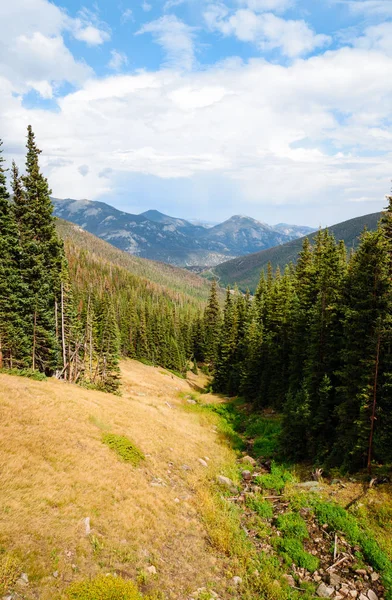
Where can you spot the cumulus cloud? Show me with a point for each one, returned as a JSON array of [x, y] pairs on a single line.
[[33, 53], [175, 37], [293, 38]]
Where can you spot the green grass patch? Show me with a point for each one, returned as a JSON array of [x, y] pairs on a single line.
[[10, 569], [265, 433], [262, 507], [292, 525], [338, 519], [103, 587], [36, 375], [125, 449], [229, 423], [293, 551], [277, 479]]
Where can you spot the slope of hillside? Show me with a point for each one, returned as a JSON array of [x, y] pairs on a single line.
[[173, 278], [245, 270], [156, 236], [56, 472]]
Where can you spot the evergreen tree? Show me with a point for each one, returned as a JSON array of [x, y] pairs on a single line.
[[212, 326], [13, 342]]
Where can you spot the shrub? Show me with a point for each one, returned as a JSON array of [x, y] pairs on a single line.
[[262, 507], [104, 587], [292, 525], [36, 375], [277, 479], [124, 448], [293, 552]]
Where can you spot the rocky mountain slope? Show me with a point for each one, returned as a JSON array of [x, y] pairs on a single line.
[[245, 270], [175, 241]]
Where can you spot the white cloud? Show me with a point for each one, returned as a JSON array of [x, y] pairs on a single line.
[[118, 60], [372, 8], [90, 34], [127, 15], [266, 30], [33, 54], [176, 39], [146, 6]]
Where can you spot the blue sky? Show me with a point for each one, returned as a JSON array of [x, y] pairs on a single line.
[[279, 109]]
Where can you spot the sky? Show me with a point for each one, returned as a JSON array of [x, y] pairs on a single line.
[[276, 109]]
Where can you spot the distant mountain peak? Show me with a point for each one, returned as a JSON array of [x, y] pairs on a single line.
[[157, 236]]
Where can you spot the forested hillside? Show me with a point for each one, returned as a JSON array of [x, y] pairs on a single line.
[[315, 343], [72, 310], [245, 270]]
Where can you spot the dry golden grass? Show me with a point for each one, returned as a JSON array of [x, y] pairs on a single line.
[[55, 471]]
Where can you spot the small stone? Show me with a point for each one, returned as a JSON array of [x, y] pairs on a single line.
[[203, 462], [290, 580], [185, 468], [374, 576], [237, 580], [361, 572], [372, 595], [249, 460], [362, 597], [24, 577], [225, 481], [316, 578], [9, 597], [324, 591], [190, 401], [334, 579], [151, 570], [55, 574], [87, 526], [335, 481], [246, 475], [177, 500], [338, 597], [353, 593]]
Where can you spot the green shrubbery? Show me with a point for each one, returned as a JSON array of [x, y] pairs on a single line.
[[262, 507], [293, 551], [104, 587], [25, 373], [277, 479], [124, 448], [292, 525]]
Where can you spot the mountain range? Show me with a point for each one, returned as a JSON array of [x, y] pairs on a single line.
[[179, 242], [245, 270]]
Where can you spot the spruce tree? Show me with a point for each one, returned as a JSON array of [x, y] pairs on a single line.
[[13, 342], [212, 326]]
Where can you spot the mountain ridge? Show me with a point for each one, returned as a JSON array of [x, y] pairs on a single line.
[[245, 270], [173, 240]]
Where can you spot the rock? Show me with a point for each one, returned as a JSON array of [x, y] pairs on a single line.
[[185, 468], [87, 526], [203, 462], [55, 574], [316, 578], [325, 591], [246, 475], [237, 580], [151, 570], [190, 401], [372, 595], [353, 593], [374, 576], [290, 579], [362, 597], [222, 480], [361, 572], [335, 481], [334, 579], [9, 597], [314, 485], [248, 460]]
